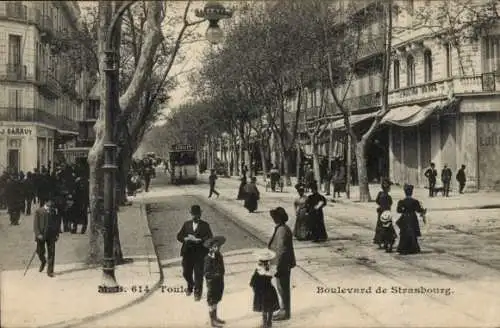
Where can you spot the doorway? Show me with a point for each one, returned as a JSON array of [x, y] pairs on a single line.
[[13, 160]]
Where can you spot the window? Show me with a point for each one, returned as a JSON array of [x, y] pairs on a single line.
[[14, 50], [428, 65], [410, 71], [396, 74], [449, 67], [491, 54]]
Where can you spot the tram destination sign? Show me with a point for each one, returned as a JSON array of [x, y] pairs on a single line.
[[182, 147]]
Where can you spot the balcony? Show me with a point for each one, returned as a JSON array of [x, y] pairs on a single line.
[[37, 116], [422, 92], [367, 101], [13, 73], [47, 83], [370, 47], [46, 27], [486, 83]]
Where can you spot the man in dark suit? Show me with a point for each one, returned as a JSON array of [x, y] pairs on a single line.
[[46, 226], [192, 236], [461, 179], [431, 174], [282, 244], [446, 179]]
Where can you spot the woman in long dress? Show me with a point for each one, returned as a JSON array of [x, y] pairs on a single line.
[[384, 202], [314, 204], [252, 195], [409, 228], [241, 190], [301, 231]]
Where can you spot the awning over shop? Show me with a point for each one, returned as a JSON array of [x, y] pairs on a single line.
[[339, 124], [414, 115]]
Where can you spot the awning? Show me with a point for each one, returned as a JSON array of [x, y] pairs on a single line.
[[339, 124], [414, 115]]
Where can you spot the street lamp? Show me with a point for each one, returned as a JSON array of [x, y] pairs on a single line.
[[213, 12]]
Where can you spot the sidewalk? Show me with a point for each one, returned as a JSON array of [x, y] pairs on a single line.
[[72, 297], [455, 201]]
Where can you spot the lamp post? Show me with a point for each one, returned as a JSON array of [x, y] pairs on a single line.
[[212, 12]]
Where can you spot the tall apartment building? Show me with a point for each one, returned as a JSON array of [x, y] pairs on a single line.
[[443, 98], [40, 92]]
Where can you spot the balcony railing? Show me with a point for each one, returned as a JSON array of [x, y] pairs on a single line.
[[36, 115], [480, 84], [370, 100], [46, 25], [426, 91], [13, 72], [369, 47], [47, 83]]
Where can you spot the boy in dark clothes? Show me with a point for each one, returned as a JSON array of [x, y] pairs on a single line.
[[214, 276]]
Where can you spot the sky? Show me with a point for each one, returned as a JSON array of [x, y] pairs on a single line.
[[192, 51]]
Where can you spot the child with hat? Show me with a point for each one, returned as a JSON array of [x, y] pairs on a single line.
[[214, 276], [265, 298]]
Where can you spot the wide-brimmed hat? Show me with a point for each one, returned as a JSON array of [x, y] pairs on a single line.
[[196, 210], [279, 214], [264, 255], [219, 240]]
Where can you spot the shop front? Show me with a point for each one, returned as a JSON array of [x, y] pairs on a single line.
[[24, 147]]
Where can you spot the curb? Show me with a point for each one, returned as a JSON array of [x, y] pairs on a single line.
[[438, 209], [138, 300]]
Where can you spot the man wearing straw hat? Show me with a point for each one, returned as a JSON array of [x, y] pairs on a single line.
[[282, 244], [192, 236]]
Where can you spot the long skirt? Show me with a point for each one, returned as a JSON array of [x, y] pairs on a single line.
[[241, 191], [378, 239], [318, 229], [408, 240], [302, 229], [251, 202], [215, 289]]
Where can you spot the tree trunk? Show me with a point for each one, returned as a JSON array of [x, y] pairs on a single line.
[[285, 159], [317, 176], [96, 153], [298, 163], [364, 188], [263, 158], [348, 168]]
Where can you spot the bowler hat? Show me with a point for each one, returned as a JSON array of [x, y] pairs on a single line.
[[279, 214], [264, 254], [220, 240], [195, 209]]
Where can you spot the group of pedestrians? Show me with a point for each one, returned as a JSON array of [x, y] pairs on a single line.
[[66, 187], [310, 219], [446, 175], [140, 174], [202, 260], [409, 228]]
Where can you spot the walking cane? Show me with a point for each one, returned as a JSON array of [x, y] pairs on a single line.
[[31, 260]]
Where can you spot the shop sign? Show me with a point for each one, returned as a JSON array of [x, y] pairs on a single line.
[[15, 131], [490, 141]]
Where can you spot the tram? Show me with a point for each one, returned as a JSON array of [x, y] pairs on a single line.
[[183, 164]]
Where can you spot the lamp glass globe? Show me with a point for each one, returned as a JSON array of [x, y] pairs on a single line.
[[214, 34]]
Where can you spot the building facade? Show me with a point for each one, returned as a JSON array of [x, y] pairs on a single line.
[[445, 101], [40, 92]]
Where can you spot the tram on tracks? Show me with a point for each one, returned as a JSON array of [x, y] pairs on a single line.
[[183, 162]]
